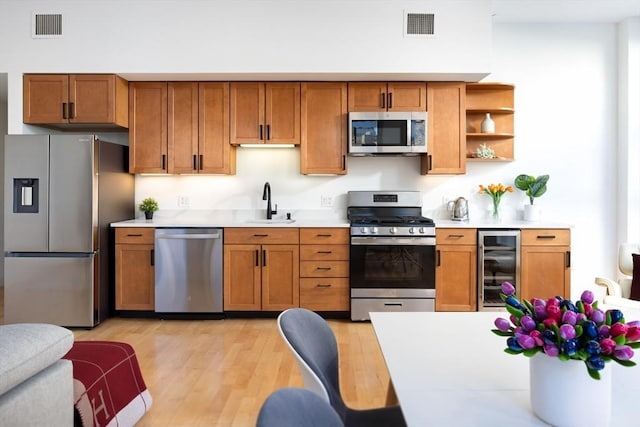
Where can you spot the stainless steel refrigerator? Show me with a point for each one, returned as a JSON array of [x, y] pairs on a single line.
[[61, 193]]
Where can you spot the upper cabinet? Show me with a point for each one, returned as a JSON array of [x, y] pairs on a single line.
[[494, 101], [180, 128], [265, 113], [323, 111], [446, 135], [61, 100], [391, 96], [148, 127]]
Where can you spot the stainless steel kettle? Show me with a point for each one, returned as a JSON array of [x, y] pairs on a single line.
[[460, 211]]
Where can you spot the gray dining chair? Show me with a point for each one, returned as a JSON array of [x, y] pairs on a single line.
[[314, 346], [297, 407]]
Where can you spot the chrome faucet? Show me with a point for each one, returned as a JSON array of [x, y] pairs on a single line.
[[266, 195]]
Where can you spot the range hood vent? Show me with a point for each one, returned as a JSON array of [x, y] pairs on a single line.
[[46, 26], [419, 24]]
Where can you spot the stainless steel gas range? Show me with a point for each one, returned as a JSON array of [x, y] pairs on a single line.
[[392, 253]]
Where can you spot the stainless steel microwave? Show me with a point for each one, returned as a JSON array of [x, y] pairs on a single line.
[[392, 133]]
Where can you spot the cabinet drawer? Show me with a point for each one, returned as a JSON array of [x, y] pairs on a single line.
[[456, 236], [261, 235], [324, 252], [324, 269], [554, 237], [331, 294], [135, 235], [311, 236]]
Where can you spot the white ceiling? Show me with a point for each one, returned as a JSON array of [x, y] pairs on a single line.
[[564, 10]]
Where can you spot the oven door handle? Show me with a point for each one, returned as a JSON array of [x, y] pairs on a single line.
[[394, 241]]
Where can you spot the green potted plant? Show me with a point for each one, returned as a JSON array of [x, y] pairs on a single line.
[[533, 187], [148, 206]]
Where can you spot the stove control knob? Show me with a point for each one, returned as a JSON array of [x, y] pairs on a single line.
[[412, 230], [393, 230], [421, 230], [374, 230], [364, 230]]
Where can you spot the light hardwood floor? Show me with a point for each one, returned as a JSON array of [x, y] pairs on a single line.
[[218, 372]]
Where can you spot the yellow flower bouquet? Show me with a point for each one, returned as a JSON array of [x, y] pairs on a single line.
[[496, 191]]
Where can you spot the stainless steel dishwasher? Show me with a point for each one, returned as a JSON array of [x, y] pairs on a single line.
[[188, 264]]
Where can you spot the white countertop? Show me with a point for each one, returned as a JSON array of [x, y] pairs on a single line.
[[310, 218], [232, 218], [505, 223]]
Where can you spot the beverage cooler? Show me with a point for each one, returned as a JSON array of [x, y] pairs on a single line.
[[498, 261]]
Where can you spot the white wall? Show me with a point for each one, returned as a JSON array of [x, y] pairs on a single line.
[[566, 102], [3, 131]]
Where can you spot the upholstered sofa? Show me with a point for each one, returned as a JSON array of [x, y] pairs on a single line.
[[36, 385]]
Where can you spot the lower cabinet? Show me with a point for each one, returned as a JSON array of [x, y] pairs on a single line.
[[545, 259], [261, 269], [134, 265], [324, 269], [456, 272]]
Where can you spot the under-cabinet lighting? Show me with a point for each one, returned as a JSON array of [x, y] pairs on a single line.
[[267, 145]]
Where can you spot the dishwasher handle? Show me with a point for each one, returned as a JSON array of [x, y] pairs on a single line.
[[189, 236]]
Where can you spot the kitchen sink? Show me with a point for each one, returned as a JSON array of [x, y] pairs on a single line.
[[271, 221]]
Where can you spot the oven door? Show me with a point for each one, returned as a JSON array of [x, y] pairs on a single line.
[[390, 267]]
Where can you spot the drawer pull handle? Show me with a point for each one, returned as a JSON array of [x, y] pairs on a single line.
[[323, 268], [134, 235], [260, 235], [393, 304], [325, 252], [456, 236], [323, 285], [323, 235], [548, 237]]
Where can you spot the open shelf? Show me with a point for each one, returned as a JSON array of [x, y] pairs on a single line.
[[497, 99]]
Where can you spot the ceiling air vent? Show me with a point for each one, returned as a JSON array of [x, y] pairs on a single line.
[[45, 26], [419, 24]]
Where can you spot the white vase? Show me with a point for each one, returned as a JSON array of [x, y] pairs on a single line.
[[563, 393], [487, 125], [532, 213]]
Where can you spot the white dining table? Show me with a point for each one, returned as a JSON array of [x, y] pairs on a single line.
[[449, 369]]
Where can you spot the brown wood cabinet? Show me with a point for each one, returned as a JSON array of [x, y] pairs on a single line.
[[387, 96], [456, 272], [497, 99], [261, 269], [323, 119], [265, 113], [134, 266], [180, 128], [446, 135], [324, 269], [75, 99], [148, 127], [545, 256]]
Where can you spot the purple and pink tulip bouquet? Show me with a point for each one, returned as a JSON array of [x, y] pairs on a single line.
[[559, 328]]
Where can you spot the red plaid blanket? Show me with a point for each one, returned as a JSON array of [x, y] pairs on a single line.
[[108, 386]]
